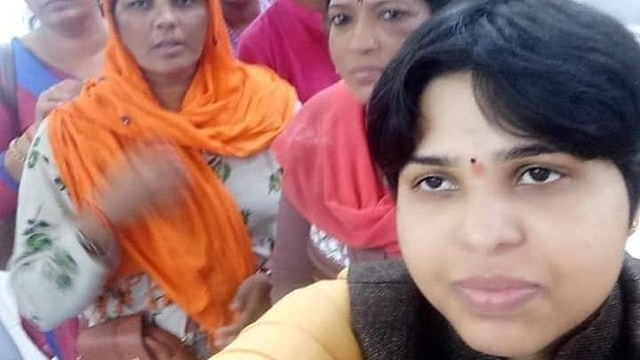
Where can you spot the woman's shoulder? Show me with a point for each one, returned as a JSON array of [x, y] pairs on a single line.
[[629, 285], [629, 282], [315, 321], [332, 95], [316, 119], [630, 275]]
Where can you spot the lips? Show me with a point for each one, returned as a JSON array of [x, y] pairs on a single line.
[[496, 295], [168, 43], [168, 48], [366, 75]]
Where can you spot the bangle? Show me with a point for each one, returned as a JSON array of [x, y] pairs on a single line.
[[14, 152], [91, 247], [103, 251], [264, 271], [101, 217], [106, 254]]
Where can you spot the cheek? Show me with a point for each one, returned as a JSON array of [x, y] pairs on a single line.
[[194, 26], [421, 240], [135, 34], [391, 36], [575, 228], [577, 231], [389, 45], [89, 4], [338, 46], [197, 28]]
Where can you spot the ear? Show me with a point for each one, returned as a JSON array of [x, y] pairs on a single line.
[[633, 220]]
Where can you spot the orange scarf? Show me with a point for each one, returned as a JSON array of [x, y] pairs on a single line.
[[199, 254]]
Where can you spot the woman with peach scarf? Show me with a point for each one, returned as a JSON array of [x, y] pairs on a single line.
[[144, 194]]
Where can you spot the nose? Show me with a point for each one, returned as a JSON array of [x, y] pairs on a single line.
[[489, 225], [165, 16], [363, 37]]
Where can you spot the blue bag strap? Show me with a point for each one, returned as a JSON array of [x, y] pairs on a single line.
[[53, 344], [31, 74]]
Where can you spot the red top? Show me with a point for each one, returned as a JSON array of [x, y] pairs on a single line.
[[291, 40]]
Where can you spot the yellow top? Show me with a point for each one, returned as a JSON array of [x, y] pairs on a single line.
[[311, 324]]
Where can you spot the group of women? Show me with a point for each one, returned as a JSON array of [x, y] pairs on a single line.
[[495, 152]]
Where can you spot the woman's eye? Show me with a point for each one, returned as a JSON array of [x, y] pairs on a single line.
[[435, 183], [185, 2], [137, 3], [390, 14], [538, 175], [338, 19]]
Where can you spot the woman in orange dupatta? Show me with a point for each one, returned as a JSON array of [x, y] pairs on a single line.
[[144, 193]]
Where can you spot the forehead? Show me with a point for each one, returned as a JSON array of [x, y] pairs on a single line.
[[452, 121]]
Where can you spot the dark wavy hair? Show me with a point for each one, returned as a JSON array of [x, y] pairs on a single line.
[[552, 70]]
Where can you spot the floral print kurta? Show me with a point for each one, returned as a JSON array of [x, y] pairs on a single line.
[[55, 278]]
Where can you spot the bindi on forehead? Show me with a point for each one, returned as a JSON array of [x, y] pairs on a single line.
[[477, 168]]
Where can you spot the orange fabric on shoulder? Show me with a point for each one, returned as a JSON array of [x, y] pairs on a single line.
[[200, 253]]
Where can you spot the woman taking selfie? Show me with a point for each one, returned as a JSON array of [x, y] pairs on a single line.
[[509, 133]]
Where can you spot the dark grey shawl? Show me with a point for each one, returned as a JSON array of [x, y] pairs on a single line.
[[392, 320]]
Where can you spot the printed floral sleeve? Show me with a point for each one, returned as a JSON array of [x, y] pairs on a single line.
[[255, 184], [52, 275]]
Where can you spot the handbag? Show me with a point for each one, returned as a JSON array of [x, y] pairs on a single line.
[[118, 339]]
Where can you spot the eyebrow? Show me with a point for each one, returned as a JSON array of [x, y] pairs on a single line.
[[433, 160], [525, 151], [518, 152], [371, 3]]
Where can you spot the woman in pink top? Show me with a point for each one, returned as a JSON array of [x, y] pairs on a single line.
[[290, 38], [67, 44], [239, 14], [335, 207]]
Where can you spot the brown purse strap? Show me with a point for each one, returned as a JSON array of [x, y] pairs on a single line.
[[118, 339]]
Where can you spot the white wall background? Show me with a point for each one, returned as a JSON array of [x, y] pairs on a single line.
[[13, 19], [627, 11]]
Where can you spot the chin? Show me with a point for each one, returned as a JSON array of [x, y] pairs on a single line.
[[504, 340], [173, 68], [66, 16], [500, 348]]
